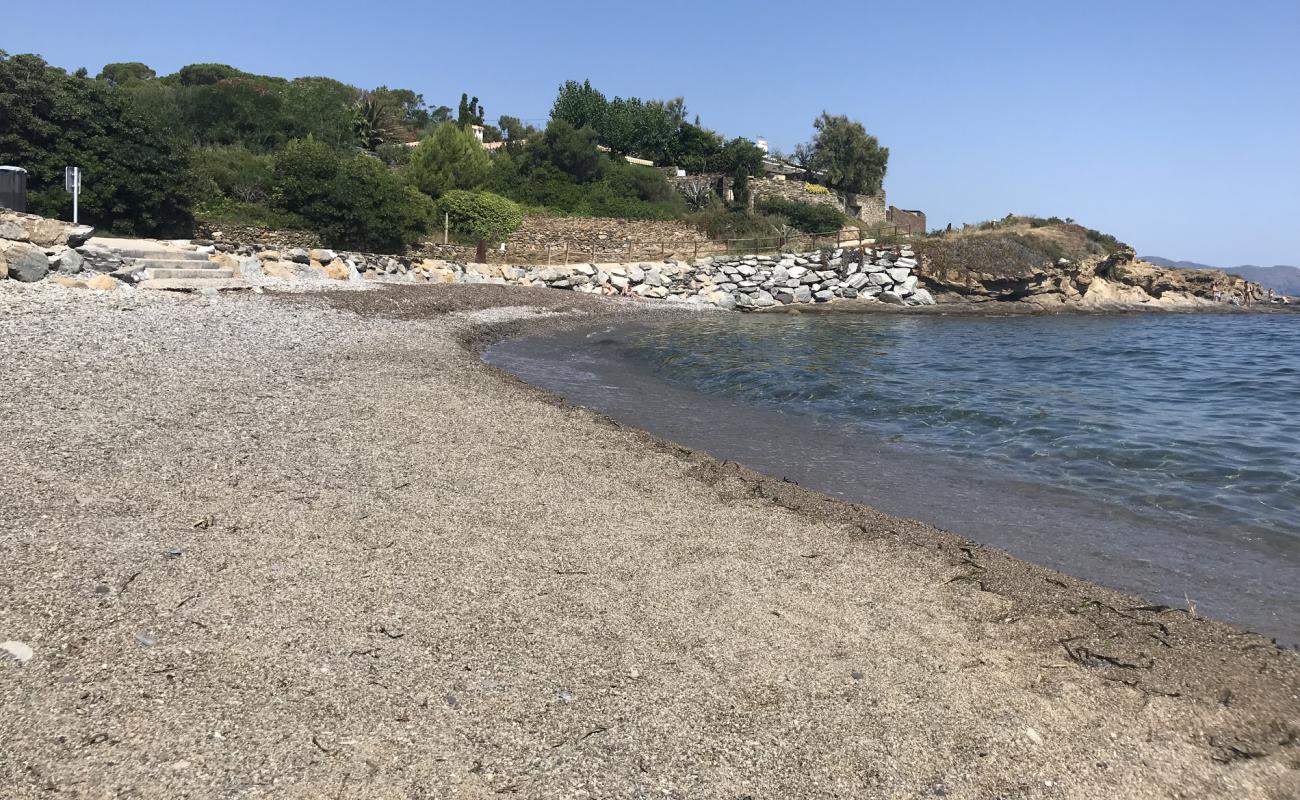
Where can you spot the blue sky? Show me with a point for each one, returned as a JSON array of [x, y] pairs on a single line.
[[1174, 125]]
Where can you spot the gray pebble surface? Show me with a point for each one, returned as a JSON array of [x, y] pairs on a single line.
[[270, 548]]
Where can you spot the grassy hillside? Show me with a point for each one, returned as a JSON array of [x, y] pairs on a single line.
[[1016, 245]]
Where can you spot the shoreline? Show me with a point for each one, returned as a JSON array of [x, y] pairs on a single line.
[[687, 606]]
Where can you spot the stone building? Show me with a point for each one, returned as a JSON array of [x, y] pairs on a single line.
[[910, 221]]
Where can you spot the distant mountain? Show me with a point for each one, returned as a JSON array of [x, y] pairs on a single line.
[[1281, 278]]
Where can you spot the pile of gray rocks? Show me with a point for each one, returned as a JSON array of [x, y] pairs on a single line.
[[743, 283], [31, 246]]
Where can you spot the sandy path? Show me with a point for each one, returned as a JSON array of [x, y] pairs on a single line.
[[273, 549]]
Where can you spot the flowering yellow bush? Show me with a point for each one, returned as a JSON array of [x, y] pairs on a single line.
[[814, 188]]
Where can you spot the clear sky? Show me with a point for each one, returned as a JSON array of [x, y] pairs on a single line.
[[1174, 124]]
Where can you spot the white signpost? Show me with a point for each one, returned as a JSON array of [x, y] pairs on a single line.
[[72, 183]]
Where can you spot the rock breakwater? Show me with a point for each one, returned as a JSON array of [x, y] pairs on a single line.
[[740, 283]]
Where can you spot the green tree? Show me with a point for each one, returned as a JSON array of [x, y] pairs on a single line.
[[580, 105], [696, 149], [205, 74], [634, 127], [675, 108], [470, 112], [412, 114], [121, 73], [239, 110], [739, 159], [514, 128], [851, 159], [322, 108], [570, 150], [438, 116], [135, 178], [352, 201], [449, 159], [482, 216]]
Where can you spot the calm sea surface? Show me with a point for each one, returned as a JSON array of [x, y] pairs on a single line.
[[1154, 453]]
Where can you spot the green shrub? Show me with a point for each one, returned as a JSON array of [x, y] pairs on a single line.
[[232, 172], [395, 154], [352, 202], [449, 159], [482, 216], [234, 212], [724, 223], [546, 185], [641, 183], [806, 217]]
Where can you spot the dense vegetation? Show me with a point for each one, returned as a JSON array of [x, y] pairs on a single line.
[[50, 119], [373, 169]]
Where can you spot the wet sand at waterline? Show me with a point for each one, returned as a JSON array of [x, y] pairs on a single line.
[[312, 546]]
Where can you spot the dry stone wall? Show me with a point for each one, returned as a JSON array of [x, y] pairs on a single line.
[[252, 234], [793, 191], [606, 237]]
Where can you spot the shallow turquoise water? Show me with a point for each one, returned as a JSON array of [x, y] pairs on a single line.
[[1158, 453]]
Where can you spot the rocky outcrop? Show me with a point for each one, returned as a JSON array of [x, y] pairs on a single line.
[[42, 231], [991, 269], [30, 246]]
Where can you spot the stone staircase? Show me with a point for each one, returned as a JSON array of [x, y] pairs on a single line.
[[163, 262], [174, 265]]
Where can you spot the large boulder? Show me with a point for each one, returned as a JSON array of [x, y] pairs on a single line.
[[43, 232], [24, 262], [12, 230], [921, 297], [68, 261]]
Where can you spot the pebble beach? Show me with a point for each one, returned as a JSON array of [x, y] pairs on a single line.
[[309, 545]]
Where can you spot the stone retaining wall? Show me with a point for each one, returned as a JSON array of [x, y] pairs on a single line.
[[793, 191], [267, 238]]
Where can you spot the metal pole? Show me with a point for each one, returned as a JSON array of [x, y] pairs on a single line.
[[76, 194], [446, 227]]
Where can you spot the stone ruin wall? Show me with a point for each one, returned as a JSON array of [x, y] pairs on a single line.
[[869, 208]]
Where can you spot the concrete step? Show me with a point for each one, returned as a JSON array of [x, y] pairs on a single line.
[[167, 253], [196, 285], [163, 273], [175, 263]]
